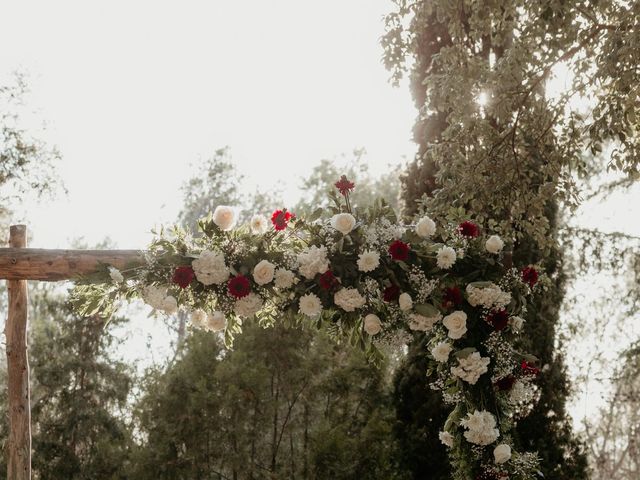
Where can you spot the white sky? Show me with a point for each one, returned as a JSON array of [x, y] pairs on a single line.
[[135, 92]]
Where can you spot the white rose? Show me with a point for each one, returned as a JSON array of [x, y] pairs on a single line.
[[199, 318], [216, 321], [516, 323], [368, 261], [456, 323], [310, 305], [284, 278], [115, 275], [224, 217], [502, 453], [263, 272], [446, 257], [343, 222], [349, 299], [406, 302], [446, 438], [441, 351], [494, 244], [169, 305], [258, 224], [425, 227], [372, 324]]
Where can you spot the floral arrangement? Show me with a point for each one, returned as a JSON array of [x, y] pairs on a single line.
[[371, 280]]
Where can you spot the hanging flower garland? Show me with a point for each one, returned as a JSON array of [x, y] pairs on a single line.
[[368, 279]]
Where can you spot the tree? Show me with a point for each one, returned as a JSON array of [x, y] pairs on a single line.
[[496, 144], [284, 403], [79, 394]]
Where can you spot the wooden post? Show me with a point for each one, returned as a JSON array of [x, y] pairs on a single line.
[[19, 443]]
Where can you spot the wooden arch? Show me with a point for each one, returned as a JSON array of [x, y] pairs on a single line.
[[18, 264]]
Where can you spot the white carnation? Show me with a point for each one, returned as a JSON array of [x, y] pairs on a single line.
[[349, 299], [310, 305], [446, 257], [502, 453], [425, 227], [313, 260], [405, 302], [115, 275], [471, 368], [210, 268], [490, 296], [216, 321], [372, 324], [494, 244], [248, 305], [258, 224], [421, 323], [284, 278], [456, 324], [441, 351], [263, 272], [446, 438], [481, 428], [343, 222], [368, 261]]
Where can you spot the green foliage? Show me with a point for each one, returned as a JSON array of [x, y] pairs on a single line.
[[78, 394], [285, 403], [26, 162]]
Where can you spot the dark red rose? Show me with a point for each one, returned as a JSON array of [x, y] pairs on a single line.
[[239, 286], [529, 369], [469, 229], [530, 276], [505, 383], [452, 297], [498, 318], [280, 219], [344, 185], [328, 280], [183, 276], [399, 250], [391, 294]]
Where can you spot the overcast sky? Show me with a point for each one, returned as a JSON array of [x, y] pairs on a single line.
[[135, 92]]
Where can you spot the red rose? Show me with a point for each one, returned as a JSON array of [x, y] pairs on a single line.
[[505, 383], [183, 276], [469, 229], [239, 286], [344, 185], [529, 369], [328, 280], [452, 297], [399, 250], [280, 219], [530, 276], [498, 318], [391, 294]]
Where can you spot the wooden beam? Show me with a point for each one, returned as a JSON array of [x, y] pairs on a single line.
[[55, 265], [19, 442]]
